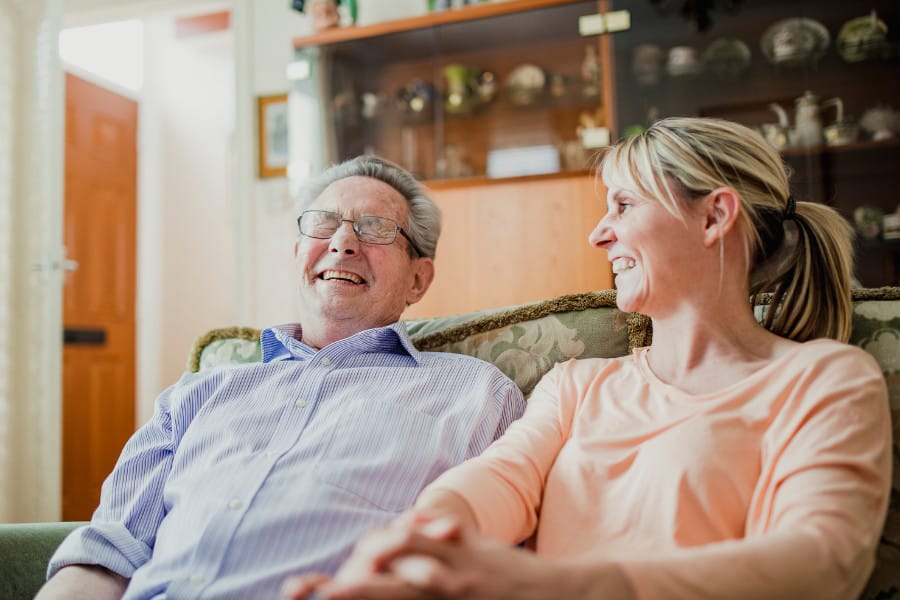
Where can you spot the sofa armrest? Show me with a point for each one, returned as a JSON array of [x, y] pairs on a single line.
[[25, 550]]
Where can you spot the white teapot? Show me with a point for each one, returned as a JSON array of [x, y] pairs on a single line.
[[808, 129]]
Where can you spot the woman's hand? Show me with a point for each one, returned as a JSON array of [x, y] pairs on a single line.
[[369, 564], [422, 556]]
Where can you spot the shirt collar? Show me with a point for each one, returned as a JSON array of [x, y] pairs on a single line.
[[282, 342]]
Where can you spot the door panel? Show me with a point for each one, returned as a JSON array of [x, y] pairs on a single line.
[[99, 297]]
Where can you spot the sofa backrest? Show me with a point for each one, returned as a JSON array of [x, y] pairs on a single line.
[[526, 341]]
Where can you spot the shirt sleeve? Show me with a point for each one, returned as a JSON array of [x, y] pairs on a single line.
[[501, 403], [503, 486], [508, 398], [123, 529], [822, 498]]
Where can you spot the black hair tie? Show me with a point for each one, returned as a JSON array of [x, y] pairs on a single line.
[[791, 209]]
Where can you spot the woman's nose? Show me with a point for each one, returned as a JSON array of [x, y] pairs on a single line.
[[602, 235], [344, 240]]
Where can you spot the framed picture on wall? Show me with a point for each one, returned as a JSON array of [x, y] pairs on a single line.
[[272, 123]]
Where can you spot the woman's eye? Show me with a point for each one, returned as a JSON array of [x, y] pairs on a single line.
[[622, 207]]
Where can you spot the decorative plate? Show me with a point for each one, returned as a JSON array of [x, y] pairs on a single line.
[[525, 83], [727, 57], [862, 38], [795, 41]]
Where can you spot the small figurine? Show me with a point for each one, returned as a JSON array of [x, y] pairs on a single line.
[[324, 14], [590, 72], [454, 162]]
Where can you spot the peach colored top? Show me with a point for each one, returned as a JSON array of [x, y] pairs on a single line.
[[776, 486]]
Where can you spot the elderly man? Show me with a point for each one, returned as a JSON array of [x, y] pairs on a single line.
[[247, 474]]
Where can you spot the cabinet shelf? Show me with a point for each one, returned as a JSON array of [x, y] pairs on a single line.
[[423, 22], [480, 180], [858, 146], [885, 245], [467, 30]]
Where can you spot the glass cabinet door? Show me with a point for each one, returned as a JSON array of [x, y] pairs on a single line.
[[512, 91], [819, 79]]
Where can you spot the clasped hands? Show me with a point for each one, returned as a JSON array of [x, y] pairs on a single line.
[[426, 555]]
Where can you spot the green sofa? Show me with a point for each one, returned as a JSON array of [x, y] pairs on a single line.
[[524, 341]]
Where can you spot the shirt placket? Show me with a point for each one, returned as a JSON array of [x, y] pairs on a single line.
[[303, 394]]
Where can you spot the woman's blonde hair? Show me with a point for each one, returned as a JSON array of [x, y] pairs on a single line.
[[801, 252]]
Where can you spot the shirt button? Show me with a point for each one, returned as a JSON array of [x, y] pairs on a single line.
[[326, 361], [235, 504], [196, 578], [300, 403]]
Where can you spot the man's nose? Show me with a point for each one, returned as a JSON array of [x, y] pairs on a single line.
[[344, 240]]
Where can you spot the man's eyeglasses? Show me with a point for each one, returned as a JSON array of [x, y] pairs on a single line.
[[322, 224]]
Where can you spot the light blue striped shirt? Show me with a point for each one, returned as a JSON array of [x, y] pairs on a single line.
[[246, 474]]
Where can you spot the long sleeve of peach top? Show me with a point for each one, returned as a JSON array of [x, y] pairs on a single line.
[[775, 487]]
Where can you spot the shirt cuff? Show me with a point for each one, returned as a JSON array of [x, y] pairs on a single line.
[[108, 545]]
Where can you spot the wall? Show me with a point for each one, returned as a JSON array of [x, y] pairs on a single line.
[[186, 217], [274, 229]]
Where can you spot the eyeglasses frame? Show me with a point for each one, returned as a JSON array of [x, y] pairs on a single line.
[[399, 229]]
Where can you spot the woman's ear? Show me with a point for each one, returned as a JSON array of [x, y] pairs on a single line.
[[722, 207]]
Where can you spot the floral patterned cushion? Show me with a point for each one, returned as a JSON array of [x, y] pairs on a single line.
[[526, 341], [876, 329], [225, 346]]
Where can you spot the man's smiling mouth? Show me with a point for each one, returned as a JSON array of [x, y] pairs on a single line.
[[341, 276]]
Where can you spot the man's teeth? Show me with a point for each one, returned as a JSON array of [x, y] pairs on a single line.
[[622, 264], [345, 275]]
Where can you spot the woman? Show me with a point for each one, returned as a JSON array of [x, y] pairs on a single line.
[[727, 459]]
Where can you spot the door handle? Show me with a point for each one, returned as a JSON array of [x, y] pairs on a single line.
[[48, 264], [84, 336]]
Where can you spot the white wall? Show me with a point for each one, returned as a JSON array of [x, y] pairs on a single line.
[[274, 25], [186, 197]]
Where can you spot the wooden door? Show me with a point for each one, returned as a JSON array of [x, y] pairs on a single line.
[[99, 296]]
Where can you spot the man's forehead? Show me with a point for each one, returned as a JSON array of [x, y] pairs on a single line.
[[361, 195]]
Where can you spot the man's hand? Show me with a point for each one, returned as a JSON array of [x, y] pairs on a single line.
[[83, 582]]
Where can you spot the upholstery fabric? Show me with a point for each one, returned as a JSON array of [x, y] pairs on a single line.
[[25, 549]]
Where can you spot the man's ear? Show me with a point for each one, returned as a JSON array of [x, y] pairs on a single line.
[[722, 207], [423, 275]]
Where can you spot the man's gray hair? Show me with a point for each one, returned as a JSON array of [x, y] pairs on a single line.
[[423, 220]]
